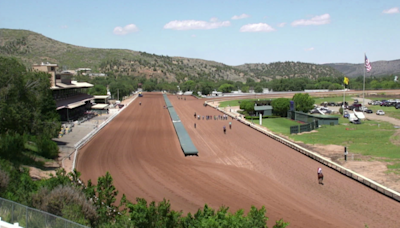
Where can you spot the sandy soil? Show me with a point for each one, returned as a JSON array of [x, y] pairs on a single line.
[[242, 168]]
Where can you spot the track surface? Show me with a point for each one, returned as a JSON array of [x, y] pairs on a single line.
[[242, 168]]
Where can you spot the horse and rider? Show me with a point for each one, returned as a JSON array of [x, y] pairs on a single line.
[[320, 176]]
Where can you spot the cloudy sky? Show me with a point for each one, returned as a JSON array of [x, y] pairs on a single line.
[[233, 32]]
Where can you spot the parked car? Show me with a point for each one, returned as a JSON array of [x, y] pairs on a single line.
[[380, 112], [346, 114], [397, 106], [369, 111]]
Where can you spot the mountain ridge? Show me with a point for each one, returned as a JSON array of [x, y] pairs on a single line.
[[31, 47]]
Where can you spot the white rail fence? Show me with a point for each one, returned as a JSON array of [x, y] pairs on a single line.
[[349, 173], [89, 136]]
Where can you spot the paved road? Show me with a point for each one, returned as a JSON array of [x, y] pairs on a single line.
[[239, 169]]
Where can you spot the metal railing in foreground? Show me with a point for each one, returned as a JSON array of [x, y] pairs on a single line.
[[349, 173], [27, 217]]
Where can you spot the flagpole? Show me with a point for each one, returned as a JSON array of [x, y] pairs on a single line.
[[344, 92], [364, 83]]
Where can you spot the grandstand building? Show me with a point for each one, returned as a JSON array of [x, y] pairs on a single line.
[[71, 97]]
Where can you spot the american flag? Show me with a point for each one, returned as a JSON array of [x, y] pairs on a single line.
[[367, 65]]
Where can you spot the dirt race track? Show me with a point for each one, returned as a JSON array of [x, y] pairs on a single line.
[[242, 168]]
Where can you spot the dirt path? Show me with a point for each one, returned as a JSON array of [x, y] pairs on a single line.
[[239, 169]]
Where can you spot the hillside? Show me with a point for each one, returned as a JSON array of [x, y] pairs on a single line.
[[378, 68], [31, 47]]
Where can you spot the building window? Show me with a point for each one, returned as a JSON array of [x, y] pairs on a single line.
[[52, 68]]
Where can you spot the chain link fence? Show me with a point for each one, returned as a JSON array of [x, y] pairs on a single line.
[[27, 217]]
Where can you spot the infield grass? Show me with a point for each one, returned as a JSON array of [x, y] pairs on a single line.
[[369, 138], [280, 125]]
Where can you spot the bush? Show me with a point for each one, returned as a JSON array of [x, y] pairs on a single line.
[[47, 148], [341, 110]]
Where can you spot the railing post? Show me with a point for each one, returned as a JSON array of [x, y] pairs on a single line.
[[26, 223], [12, 214]]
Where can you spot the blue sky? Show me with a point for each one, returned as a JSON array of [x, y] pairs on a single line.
[[231, 32]]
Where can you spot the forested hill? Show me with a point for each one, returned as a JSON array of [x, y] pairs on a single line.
[[31, 47], [378, 68]]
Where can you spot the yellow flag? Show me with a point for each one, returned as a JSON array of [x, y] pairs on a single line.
[[346, 80]]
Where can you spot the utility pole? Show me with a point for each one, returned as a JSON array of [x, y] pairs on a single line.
[[118, 93]]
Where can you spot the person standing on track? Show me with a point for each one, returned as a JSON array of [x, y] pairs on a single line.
[[320, 176], [224, 130], [140, 103], [230, 125], [194, 125]]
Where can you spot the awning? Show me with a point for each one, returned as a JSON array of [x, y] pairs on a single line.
[[74, 105], [100, 106], [101, 97], [62, 85]]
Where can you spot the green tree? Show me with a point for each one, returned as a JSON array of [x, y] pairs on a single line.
[[303, 102], [258, 89], [98, 89], [226, 88], [280, 106]]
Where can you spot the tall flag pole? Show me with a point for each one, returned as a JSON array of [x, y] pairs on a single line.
[[368, 68], [345, 82]]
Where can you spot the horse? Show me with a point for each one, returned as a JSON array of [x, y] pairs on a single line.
[[320, 178]]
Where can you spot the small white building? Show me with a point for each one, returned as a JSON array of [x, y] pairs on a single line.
[[216, 94]]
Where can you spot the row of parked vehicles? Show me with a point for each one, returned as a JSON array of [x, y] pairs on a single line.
[[387, 103]]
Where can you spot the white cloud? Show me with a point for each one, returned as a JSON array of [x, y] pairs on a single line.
[[309, 49], [193, 36], [392, 10], [260, 27], [125, 30], [242, 16], [317, 20], [192, 24], [214, 19], [281, 24], [64, 26]]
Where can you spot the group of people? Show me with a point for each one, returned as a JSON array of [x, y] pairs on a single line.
[[210, 117]]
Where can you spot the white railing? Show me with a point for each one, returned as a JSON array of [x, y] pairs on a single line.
[[89, 136], [349, 173], [4, 224]]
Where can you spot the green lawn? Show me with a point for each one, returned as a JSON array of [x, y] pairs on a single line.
[[367, 138], [279, 125]]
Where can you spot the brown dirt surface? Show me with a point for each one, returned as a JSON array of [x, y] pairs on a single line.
[[242, 168]]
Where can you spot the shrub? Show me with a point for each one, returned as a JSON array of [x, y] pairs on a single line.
[[47, 148]]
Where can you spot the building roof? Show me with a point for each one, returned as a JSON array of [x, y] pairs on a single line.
[[74, 85], [101, 96], [100, 106], [84, 69], [80, 98], [82, 84], [74, 105], [45, 64], [262, 108]]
